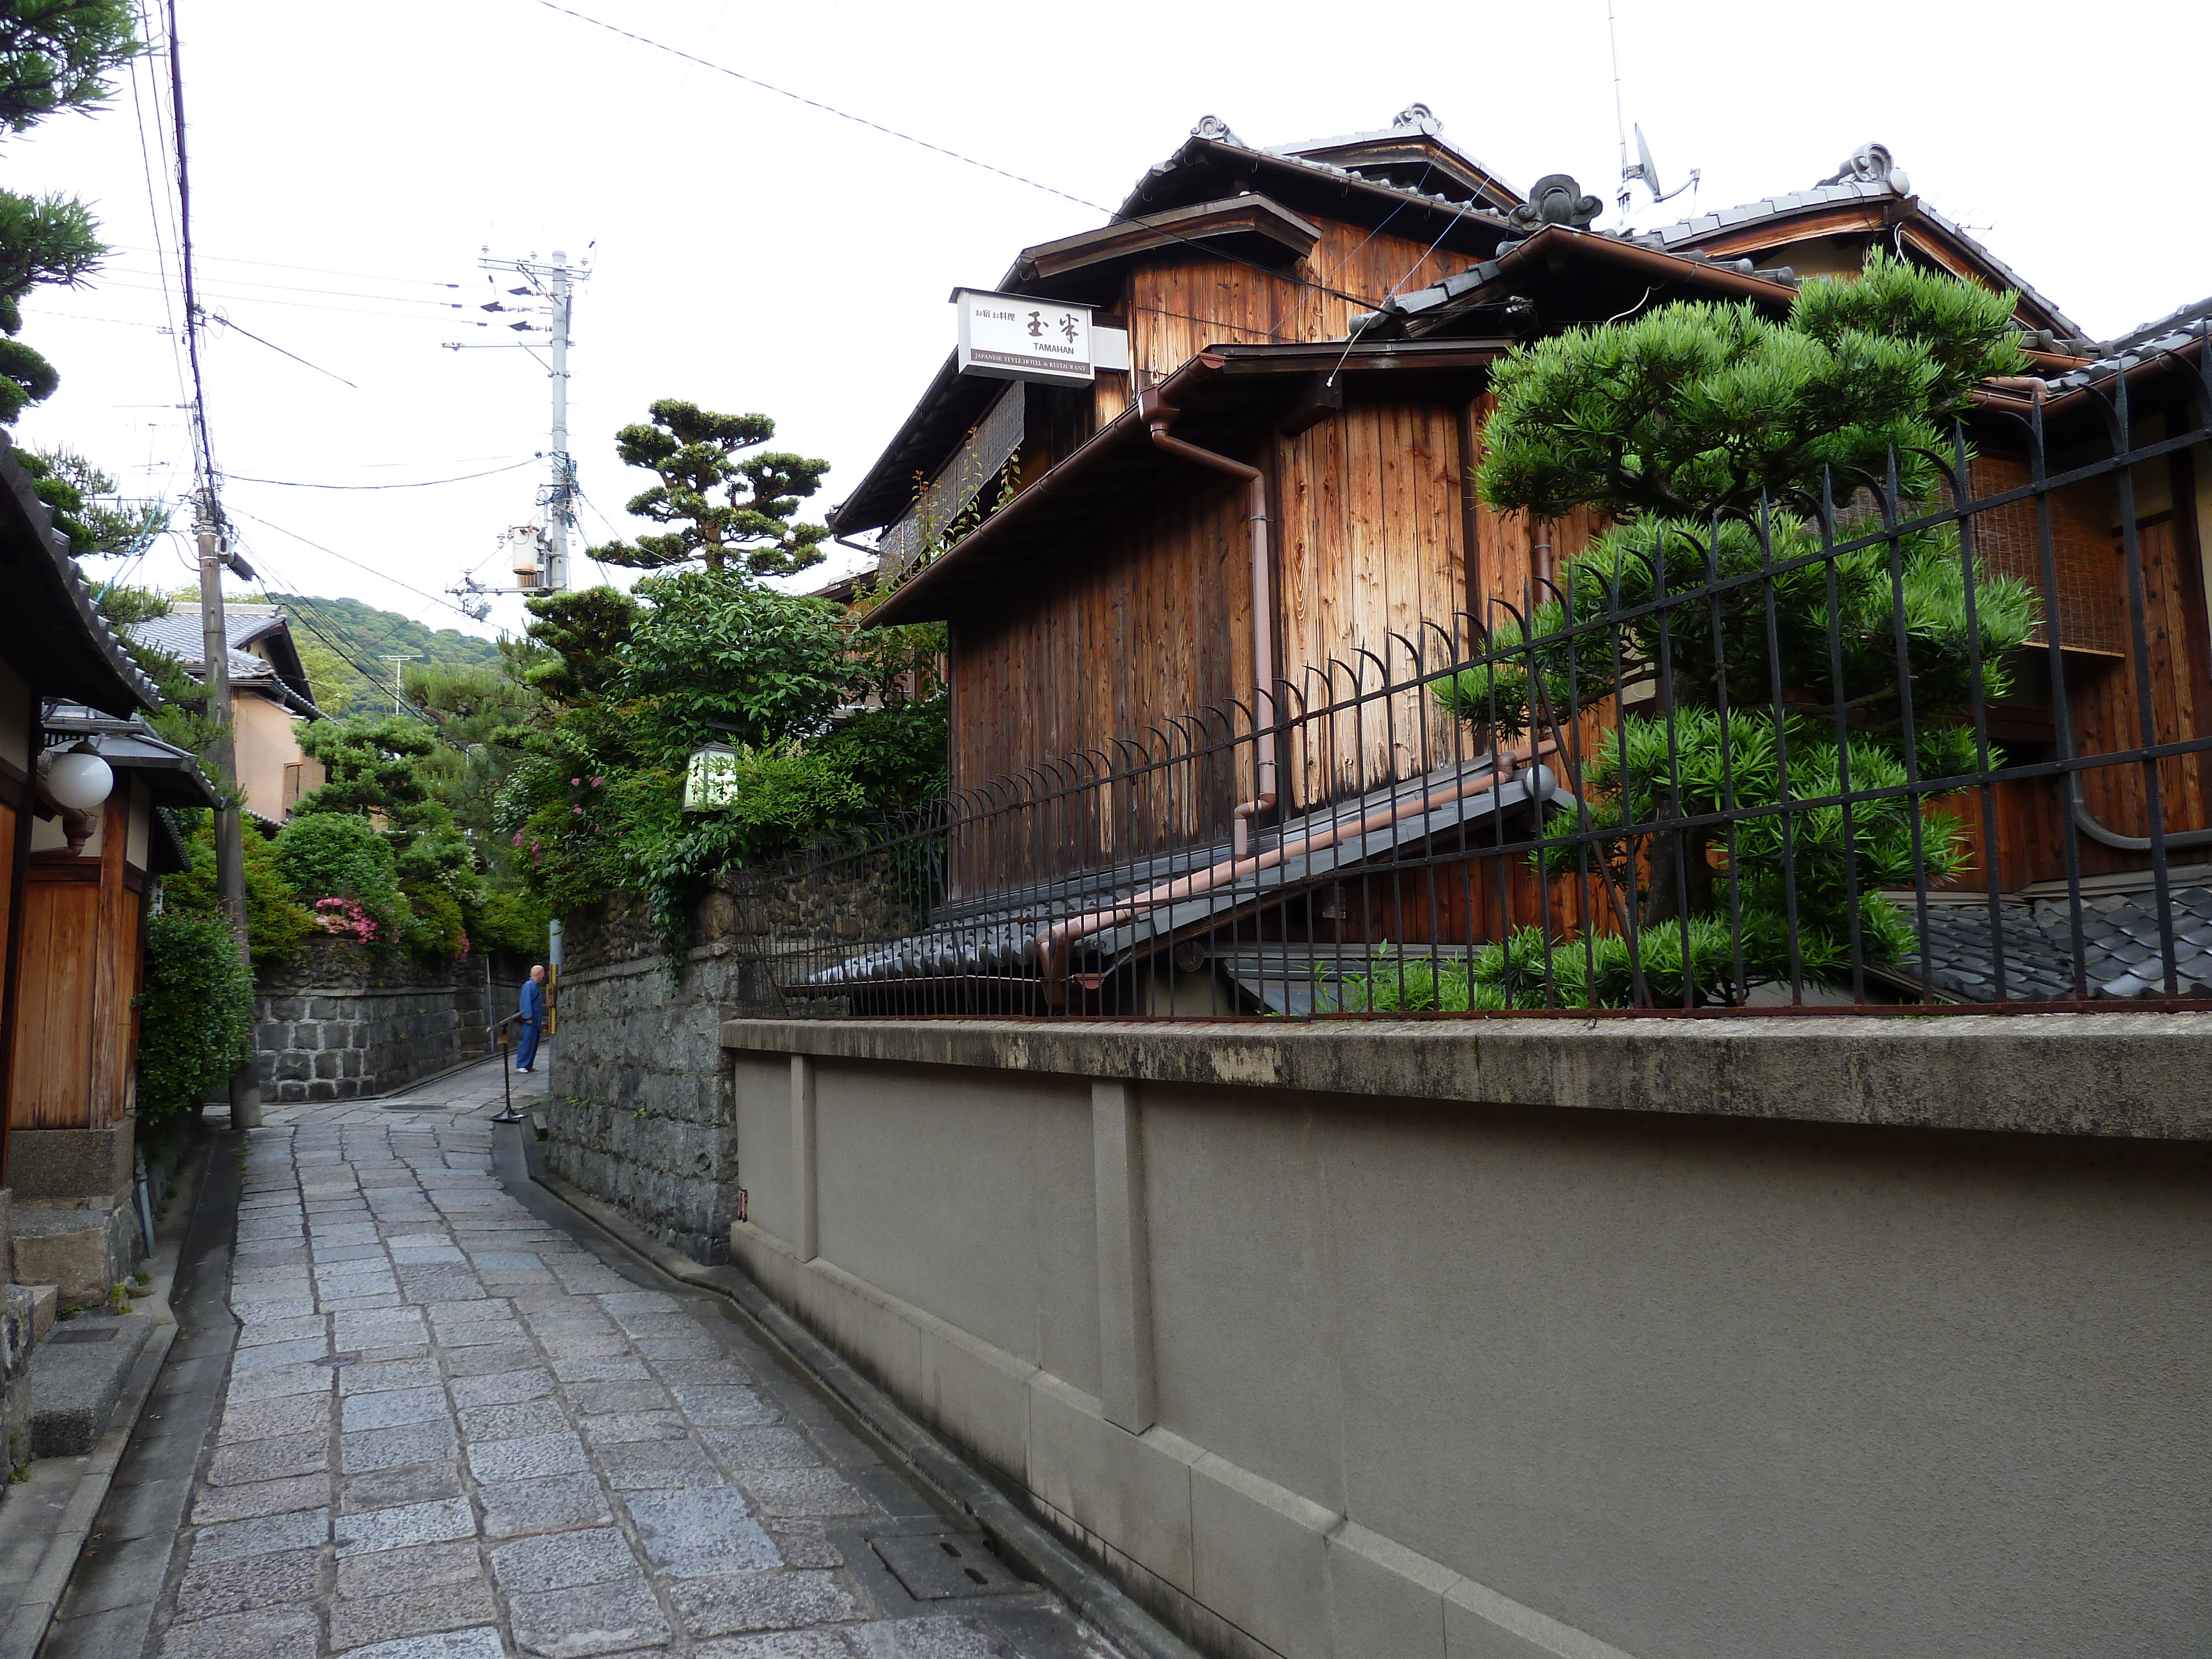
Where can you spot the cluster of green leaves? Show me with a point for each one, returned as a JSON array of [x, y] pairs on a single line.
[[342, 642], [55, 55], [828, 732], [195, 1015], [275, 921], [723, 503], [1696, 410], [1709, 432]]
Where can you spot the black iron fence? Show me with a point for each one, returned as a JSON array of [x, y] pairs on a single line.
[[1933, 738]]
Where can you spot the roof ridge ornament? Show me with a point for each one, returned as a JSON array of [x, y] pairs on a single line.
[[1555, 199], [1418, 116], [1213, 127], [1871, 164]]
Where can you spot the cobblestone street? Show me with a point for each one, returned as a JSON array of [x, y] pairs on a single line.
[[453, 1429]]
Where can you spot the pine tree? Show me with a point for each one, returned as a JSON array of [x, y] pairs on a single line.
[[700, 456], [1716, 439]]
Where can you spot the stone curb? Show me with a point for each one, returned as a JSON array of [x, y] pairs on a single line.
[[1086, 1588]]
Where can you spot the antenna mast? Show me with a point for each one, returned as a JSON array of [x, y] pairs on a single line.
[[1619, 121]]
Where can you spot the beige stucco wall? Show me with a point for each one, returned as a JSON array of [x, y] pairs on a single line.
[[1344, 1373], [266, 745]]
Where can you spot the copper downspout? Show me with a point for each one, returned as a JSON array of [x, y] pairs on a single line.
[[1159, 417]]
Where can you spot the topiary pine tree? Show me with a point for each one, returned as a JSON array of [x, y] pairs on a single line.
[[699, 455], [1709, 432]]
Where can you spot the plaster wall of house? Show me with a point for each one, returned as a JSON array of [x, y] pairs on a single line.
[[1699, 1343], [267, 742]]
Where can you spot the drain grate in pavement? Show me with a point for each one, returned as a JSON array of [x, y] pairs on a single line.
[[938, 1566], [106, 1333]]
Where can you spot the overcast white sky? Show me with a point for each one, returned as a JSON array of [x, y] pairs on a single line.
[[752, 253]]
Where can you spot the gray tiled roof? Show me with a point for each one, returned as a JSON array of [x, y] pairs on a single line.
[[1428, 127], [180, 635], [2120, 947], [2182, 327], [1668, 238]]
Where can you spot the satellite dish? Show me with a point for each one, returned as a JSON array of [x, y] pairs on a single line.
[[1646, 171], [1646, 168]]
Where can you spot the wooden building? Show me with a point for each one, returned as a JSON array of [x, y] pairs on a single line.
[[74, 885], [1321, 319]]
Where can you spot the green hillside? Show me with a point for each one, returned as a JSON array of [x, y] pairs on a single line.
[[364, 635]]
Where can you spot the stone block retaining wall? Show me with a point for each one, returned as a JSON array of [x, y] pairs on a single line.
[[339, 1021]]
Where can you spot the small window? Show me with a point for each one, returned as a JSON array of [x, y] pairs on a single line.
[[292, 785]]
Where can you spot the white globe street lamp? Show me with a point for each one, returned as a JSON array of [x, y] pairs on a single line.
[[78, 778]]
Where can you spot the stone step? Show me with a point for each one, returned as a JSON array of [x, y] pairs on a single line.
[[81, 1250], [76, 1376]]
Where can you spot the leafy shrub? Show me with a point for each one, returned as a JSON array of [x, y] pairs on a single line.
[[513, 922], [276, 922], [195, 1015], [434, 926], [338, 855]]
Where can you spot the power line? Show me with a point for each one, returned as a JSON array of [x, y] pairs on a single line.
[[319, 270], [357, 564], [342, 293], [1113, 215], [184, 248], [237, 329], [419, 483]]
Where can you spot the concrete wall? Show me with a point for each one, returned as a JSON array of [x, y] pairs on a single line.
[[1712, 1340]]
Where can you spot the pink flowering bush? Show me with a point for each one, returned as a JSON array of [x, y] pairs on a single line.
[[346, 919]]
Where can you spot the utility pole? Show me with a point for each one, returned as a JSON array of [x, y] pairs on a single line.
[[399, 660], [223, 754], [554, 282]]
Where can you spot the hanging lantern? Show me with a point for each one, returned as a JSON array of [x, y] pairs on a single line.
[[710, 782], [78, 779]]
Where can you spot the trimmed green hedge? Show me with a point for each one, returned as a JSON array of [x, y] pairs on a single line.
[[195, 1015]]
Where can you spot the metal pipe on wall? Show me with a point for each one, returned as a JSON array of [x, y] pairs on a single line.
[[1158, 417]]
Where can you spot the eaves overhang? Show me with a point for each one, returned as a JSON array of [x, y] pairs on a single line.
[[1208, 168], [1216, 393], [1569, 272]]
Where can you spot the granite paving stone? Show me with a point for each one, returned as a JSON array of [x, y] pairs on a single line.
[[250, 1462], [761, 1601], [388, 1448], [416, 1612], [571, 1624], [211, 1587], [298, 1491], [527, 1458], [405, 1524], [514, 1507], [642, 1465], [285, 1633], [233, 1541], [393, 1408], [502, 1388], [699, 1533], [510, 1422], [388, 1572]]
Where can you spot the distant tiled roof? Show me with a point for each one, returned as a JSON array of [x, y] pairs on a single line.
[[2120, 950], [180, 635], [2180, 328]]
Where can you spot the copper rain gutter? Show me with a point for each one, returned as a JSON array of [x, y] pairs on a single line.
[[1159, 417]]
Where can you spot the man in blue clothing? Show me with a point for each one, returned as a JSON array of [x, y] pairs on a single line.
[[533, 1018]]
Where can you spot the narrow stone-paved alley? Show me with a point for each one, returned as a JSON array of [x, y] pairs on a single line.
[[458, 1426]]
